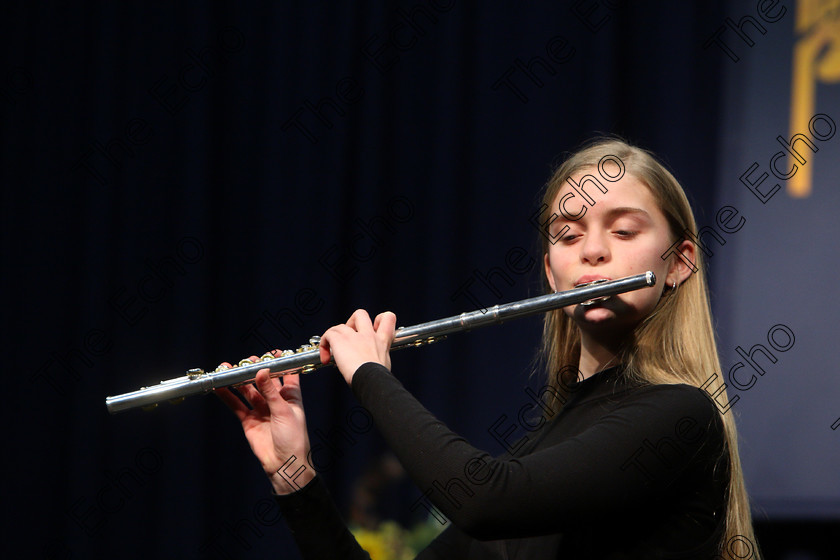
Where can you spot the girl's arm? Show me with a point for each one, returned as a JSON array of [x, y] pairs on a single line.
[[317, 525], [320, 531], [624, 458]]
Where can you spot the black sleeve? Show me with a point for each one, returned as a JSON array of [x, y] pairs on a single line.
[[451, 544], [595, 473], [320, 532], [317, 525]]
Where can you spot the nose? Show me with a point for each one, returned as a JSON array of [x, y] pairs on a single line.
[[594, 248]]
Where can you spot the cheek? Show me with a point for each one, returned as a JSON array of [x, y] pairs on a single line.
[[646, 299], [561, 263], [648, 257], [562, 253], [651, 298]]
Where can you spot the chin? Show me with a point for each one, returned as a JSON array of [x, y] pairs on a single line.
[[592, 315], [601, 320]]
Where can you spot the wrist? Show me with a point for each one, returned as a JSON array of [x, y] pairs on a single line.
[[288, 480], [352, 370]]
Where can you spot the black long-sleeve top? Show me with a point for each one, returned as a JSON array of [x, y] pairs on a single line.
[[622, 471]]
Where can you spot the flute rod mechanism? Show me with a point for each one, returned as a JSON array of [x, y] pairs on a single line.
[[307, 358]]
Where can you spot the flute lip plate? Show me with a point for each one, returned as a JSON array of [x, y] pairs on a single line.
[[650, 279], [592, 282]]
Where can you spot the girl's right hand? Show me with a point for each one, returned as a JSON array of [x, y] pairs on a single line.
[[275, 428]]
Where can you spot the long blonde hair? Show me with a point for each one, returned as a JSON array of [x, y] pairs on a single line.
[[675, 343]]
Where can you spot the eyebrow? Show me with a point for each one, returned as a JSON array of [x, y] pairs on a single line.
[[613, 213], [621, 210]]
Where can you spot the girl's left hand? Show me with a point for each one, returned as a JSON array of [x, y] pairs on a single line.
[[359, 341]]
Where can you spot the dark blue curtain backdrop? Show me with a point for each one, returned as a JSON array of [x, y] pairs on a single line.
[[188, 184]]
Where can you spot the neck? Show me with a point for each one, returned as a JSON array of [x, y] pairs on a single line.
[[596, 355]]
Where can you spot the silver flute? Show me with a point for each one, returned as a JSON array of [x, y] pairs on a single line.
[[306, 358]]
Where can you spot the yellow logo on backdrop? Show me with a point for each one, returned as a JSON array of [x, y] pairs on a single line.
[[816, 57]]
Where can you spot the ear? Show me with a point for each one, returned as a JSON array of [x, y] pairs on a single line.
[[679, 270], [548, 274]]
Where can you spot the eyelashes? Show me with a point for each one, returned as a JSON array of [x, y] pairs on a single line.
[[621, 234]]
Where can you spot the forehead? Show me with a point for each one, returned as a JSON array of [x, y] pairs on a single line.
[[626, 192]]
